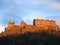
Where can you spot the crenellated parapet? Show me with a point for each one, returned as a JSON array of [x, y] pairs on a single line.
[[38, 22]]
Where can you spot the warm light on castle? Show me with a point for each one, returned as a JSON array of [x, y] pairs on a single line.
[[38, 26]]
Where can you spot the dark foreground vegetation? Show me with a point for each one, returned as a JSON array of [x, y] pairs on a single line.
[[31, 39]]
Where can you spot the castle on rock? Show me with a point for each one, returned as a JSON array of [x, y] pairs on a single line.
[[38, 26]]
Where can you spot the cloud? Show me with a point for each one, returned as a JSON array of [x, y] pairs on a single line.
[[54, 5], [36, 2], [2, 28], [9, 10], [47, 3]]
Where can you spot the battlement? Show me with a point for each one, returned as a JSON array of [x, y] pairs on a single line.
[[38, 22]]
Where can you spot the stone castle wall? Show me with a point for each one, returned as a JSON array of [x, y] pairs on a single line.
[[37, 26]]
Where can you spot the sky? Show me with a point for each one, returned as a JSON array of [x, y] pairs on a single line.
[[27, 10]]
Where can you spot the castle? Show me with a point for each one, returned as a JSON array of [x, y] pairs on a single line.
[[38, 26]]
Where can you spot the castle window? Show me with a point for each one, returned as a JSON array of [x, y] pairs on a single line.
[[52, 31], [34, 22], [24, 27], [9, 30], [21, 30]]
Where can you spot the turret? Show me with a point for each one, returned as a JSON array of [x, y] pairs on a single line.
[[23, 24], [11, 24], [37, 22]]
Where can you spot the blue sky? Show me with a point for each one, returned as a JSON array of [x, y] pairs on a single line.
[[27, 10]]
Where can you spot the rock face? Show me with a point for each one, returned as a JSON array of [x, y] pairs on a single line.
[[38, 26]]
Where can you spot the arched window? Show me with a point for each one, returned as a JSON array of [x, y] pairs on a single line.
[[52, 31], [24, 27]]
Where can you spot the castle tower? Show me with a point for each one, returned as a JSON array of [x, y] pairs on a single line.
[[38, 22], [46, 24], [23, 24], [11, 24]]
